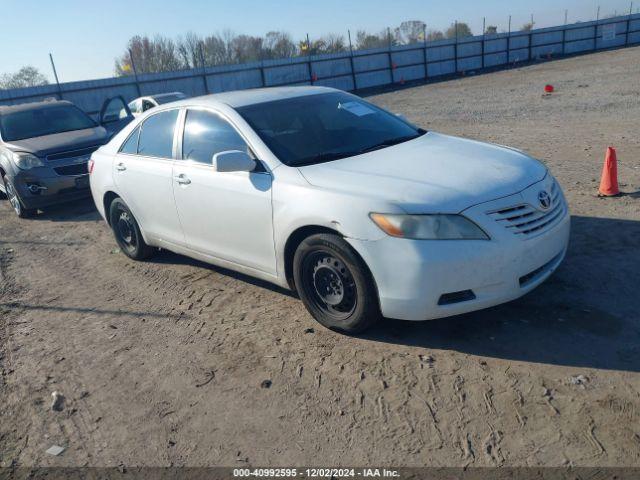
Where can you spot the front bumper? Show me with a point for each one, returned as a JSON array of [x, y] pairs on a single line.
[[39, 187], [414, 276]]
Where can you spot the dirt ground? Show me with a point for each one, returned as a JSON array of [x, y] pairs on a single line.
[[161, 363]]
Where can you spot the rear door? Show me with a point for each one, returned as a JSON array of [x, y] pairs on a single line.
[[143, 175]]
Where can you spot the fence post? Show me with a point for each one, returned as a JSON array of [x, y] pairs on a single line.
[[135, 73], [509, 42], [626, 39], [264, 83], [455, 50], [309, 61], [424, 42], [484, 29], [389, 52], [564, 30], [353, 71], [204, 71], [55, 75]]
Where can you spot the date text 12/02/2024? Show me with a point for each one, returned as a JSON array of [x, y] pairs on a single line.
[[315, 472]]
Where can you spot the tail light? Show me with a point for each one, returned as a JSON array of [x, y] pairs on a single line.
[[90, 165]]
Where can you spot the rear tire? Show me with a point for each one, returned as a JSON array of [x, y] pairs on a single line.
[[14, 200], [127, 232], [334, 284]]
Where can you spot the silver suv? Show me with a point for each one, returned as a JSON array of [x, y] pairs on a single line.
[[45, 148]]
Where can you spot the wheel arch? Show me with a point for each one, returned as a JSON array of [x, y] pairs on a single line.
[[298, 235], [107, 200]]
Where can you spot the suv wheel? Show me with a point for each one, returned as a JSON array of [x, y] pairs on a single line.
[[127, 232], [334, 284], [15, 201]]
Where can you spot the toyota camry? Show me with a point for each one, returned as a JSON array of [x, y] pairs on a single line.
[[364, 214]]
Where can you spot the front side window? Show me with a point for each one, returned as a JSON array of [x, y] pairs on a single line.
[[320, 128], [135, 106], [156, 135], [44, 120], [146, 105], [206, 134]]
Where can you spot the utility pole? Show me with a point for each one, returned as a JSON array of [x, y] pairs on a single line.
[[353, 71], [55, 75], [135, 72]]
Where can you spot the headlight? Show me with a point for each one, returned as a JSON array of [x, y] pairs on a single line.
[[429, 227], [26, 161]]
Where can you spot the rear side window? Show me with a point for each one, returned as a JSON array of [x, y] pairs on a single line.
[[156, 136], [206, 134], [131, 145]]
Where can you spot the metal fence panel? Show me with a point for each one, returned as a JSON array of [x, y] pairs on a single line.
[[351, 71]]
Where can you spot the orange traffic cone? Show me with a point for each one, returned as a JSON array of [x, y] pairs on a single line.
[[609, 180]]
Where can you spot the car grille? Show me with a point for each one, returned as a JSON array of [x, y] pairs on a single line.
[[85, 152], [526, 220], [76, 169]]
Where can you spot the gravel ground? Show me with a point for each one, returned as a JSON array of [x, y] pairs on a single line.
[[165, 362]]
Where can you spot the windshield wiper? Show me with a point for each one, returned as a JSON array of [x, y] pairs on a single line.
[[325, 157], [391, 142]]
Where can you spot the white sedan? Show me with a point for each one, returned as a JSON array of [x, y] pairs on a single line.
[[314, 189]]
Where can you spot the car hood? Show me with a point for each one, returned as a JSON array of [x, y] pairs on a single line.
[[60, 142], [434, 173]]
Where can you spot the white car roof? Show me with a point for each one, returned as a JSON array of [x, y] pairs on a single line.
[[241, 98]]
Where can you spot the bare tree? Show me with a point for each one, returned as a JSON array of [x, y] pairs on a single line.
[[215, 50], [366, 40], [527, 27], [491, 30], [25, 77], [330, 43], [246, 48], [188, 48], [409, 32], [149, 55], [434, 35], [333, 43], [463, 30], [278, 45]]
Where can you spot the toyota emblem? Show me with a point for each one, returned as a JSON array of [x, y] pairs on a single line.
[[545, 199]]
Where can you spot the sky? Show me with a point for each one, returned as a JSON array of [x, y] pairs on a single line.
[[85, 36]]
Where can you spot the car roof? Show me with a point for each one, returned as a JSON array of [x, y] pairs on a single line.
[[242, 98], [6, 109]]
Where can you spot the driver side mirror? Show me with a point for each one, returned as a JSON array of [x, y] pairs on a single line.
[[233, 161]]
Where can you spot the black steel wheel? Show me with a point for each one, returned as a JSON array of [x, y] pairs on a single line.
[[127, 232], [334, 284]]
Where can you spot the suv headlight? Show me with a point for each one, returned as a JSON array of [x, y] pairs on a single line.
[[429, 227], [26, 161]]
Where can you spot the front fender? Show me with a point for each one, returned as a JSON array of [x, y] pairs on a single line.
[[298, 204]]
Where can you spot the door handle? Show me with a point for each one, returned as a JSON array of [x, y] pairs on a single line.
[[182, 179], [121, 167]]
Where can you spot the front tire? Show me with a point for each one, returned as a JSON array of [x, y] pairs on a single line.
[[334, 284], [127, 232], [14, 200]]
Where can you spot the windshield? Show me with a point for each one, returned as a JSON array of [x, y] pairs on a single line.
[[170, 97], [320, 128], [43, 121]]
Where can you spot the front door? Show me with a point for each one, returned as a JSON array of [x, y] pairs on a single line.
[[223, 214], [115, 115]]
